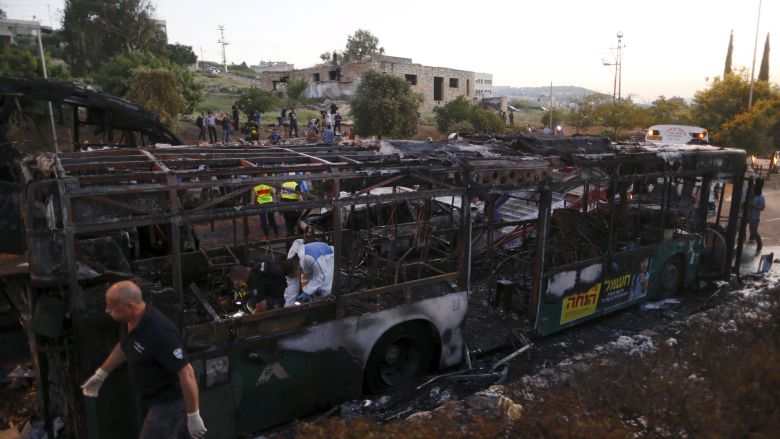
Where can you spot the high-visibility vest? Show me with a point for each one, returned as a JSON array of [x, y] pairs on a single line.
[[288, 190], [264, 194]]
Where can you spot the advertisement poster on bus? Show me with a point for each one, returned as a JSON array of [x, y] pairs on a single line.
[[628, 283]]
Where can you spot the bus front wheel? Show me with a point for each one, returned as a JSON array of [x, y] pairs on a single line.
[[401, 357], [671, 278]]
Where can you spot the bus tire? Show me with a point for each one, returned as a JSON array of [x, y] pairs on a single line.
[[671, 277], [401, 357]]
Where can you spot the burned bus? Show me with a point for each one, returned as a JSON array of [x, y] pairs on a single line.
[[175, 220], [639, 226]]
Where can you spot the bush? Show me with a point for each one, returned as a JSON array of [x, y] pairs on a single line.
[[384, 105], [158, 91], [295, 87], [459, 110], [115, 76], [253, 99]]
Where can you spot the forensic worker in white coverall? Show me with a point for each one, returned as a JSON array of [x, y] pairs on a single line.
[[315, 260]]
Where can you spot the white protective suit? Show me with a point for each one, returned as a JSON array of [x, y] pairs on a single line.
[[316, 259]]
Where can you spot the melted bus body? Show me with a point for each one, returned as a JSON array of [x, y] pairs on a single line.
[[643, 227], [177, 219]]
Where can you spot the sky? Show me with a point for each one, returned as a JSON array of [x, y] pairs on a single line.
[[672, 47]]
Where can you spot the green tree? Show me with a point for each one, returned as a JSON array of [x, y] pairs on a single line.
[[729, 53], [723, 110], [756, 130], [621, 116], [453, 112], [360, 44], [253, 98], [97, 30], [114, 76], [3, 14], [585, 112], [724, 99], [763, 72], [157, 90], [669, 111], [459, 114], [16, 61], [384, 105], [558, 116], [180, 54], [295, 87]]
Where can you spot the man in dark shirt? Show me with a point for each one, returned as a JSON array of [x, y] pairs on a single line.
[[163, 377], [265, 282]]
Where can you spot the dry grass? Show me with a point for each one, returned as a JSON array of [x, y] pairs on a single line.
[[721, 379]]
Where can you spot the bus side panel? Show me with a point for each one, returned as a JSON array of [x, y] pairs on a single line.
[[580, 292], [255, 384]]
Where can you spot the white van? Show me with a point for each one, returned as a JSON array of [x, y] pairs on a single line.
[[680, 134]]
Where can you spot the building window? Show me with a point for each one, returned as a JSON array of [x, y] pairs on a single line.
[[411, 79], [316, 77], [453, 82], [438, 88]]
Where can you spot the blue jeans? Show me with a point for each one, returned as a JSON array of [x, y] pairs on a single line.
[[225, 134]]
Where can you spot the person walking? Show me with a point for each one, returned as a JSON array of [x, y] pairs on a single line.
[[225, 127], [257, 117], [293, 122], [511, 118], [756, 204], [235, 118], [211, 124], [337, 120], [162, 375], [265, 195], [200, 122]]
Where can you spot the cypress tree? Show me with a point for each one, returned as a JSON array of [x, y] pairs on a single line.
[[727, 69], [763, 72]]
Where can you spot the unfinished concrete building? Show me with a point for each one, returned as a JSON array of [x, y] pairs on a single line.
[[437, 85]]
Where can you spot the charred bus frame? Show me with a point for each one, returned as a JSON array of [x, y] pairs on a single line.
[[92, 218]]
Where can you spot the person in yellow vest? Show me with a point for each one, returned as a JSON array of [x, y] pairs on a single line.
[[264, 194], [289, 194]]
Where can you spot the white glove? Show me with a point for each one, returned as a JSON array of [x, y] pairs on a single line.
[[91, 386], [195, 425]]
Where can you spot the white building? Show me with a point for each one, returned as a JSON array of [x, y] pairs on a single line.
[[483, 85]]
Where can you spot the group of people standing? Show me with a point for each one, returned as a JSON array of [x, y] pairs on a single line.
[[207, 122]]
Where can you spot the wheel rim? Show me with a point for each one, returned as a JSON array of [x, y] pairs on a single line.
[[400, 363]]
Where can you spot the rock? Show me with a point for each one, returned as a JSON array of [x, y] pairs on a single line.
[[419, 415]]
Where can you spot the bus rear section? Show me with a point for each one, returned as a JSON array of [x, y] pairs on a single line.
[[677, 134], [645, 230]]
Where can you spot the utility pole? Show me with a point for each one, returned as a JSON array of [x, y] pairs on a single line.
[[620, 63], [46, 77], [617, 82], [753, 69], [223, 43], [551, 107]]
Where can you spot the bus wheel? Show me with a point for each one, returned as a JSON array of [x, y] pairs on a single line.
[[401, 357], [671, 278]]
